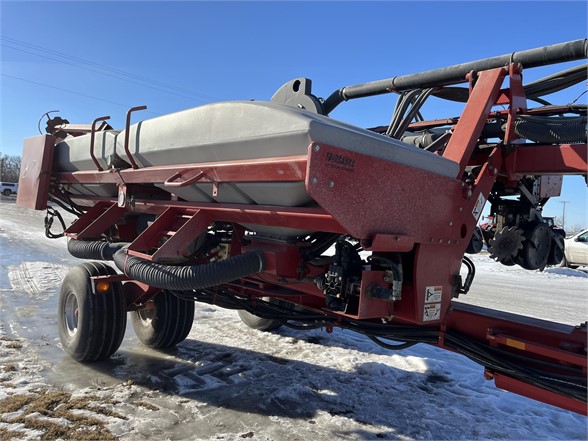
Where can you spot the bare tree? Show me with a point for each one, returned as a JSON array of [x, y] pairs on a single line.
[[9, 168], [575, 229]]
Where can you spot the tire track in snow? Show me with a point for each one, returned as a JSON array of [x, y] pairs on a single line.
[[38, 279]]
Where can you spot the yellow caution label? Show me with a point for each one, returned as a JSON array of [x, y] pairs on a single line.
[[516, 344]]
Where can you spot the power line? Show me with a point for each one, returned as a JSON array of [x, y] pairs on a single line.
[[127, 106], [104, 67], [104, 73], [119, 72]]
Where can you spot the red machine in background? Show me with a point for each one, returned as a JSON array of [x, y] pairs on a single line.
[[398, 204]]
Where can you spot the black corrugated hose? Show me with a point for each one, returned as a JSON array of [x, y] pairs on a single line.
[[98, 250], [175, 278], [552, 130], [185, 278]]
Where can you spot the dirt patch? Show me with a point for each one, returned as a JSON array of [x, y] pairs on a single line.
[[56, 414], [146, 405], [13, 345]]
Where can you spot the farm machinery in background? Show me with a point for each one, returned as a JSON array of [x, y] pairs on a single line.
[[297, 219]]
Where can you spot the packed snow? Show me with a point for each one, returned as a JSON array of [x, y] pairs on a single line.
[[227, 381]]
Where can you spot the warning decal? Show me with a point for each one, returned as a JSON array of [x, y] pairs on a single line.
[[477, 211], [432, 312], [433, 294]]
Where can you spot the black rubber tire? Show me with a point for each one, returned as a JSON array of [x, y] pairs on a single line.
[[258, 323], [556, 254], [166, 321], [7, 192], [255, 322], [91, 326]]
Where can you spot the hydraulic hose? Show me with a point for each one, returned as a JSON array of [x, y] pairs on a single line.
[[542, 56], [98, 250], [190, 277], [541, 129], [533, 91], [550, 130]]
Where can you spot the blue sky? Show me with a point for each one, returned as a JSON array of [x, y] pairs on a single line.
[[214, 51]]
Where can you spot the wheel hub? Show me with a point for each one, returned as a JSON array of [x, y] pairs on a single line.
[[146, 315], [71, 313], [536, 250]]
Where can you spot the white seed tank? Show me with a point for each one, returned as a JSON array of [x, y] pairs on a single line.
[[230, 131]]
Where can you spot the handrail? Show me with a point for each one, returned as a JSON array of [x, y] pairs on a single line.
[[92, 136], [127, 127]]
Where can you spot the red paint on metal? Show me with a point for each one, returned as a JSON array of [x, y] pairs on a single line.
[[434, 268], [369, 307], [280, 260], [102, 222], [517, 101], [389, 242], [382, 197], [474, 321], [422, 125], [274, 286], [176, 245], [291, 217], [237, 239], [135, 292], [138, 294], [84, 221], [542, 339], [472, 121], [150, 237], [281, 169], [35, 172], [536, 393], [111, 278], [544, 159], [539, 349]]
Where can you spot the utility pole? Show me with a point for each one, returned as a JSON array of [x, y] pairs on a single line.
[[563, 219]]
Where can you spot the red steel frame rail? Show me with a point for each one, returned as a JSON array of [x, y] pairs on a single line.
[[541, 339]]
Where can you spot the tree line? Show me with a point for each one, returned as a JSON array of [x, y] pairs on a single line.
[[9, 168]]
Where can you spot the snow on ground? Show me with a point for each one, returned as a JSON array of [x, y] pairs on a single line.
[[556, 294], [227, 381]]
